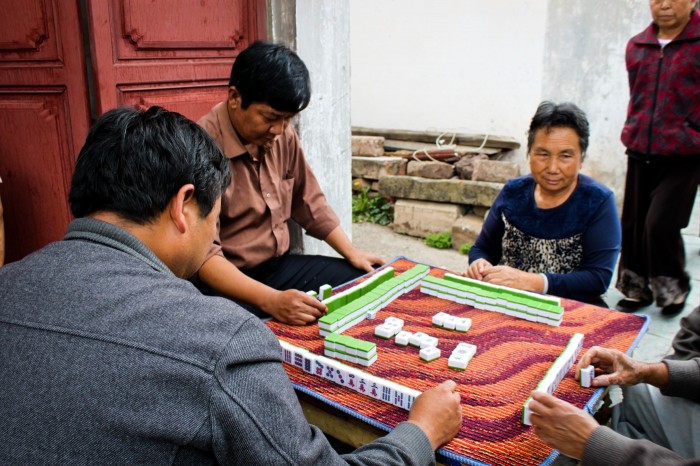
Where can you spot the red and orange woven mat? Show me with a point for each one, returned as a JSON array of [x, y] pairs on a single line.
[[512, 356]]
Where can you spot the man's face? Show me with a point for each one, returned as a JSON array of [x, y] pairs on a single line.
[[671, 14], [203, 232], [259, 124], [555, 159]]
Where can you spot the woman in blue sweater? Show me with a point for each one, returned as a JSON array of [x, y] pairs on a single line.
[[554, 231]]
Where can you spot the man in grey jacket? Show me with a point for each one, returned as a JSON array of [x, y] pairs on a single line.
[[658, 421], [108, 356]]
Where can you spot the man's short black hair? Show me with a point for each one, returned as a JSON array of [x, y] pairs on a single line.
[[565, 115], [271, 74], [134, 161]]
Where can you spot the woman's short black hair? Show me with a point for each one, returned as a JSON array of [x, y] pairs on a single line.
[[566, 115], [271, 74], [134, 161]]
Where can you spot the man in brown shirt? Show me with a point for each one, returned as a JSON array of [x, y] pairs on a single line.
[[272, 183]]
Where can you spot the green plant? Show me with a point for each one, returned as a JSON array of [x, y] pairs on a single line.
[[439, 240], [465, 248], [374, 209]]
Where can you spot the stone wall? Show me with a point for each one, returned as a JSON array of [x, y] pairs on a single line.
[[431, 196]]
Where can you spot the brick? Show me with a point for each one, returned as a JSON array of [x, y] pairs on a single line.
[[465, 230], [453, 191], [368, 146], [420, 218], [414, 167], [495, 171], [374, 168], [430, 169], [438, 171], [465, 165]]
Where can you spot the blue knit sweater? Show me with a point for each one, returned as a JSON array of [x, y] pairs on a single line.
[[575, 245]]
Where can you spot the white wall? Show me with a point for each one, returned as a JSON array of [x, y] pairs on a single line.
[[465, 65], [323, 42], [483, 67], [585, 63]]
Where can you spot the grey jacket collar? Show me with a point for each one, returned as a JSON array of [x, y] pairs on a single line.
[[107, 234]]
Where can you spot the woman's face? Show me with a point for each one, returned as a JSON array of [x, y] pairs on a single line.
[[671, 15], [555, 160]]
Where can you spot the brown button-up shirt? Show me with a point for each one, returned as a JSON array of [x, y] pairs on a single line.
[[268, 188]]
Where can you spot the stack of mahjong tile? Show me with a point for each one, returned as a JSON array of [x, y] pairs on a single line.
[[556, 372], [350, 349], [362, 301], [390, 328], [486, 296], [461, 355], [347, 376]]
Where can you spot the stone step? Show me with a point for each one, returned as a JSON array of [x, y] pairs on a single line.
[[454, 191], [374, 168]]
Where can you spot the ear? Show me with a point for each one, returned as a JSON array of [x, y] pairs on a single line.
[[234, 98], [180, 207]]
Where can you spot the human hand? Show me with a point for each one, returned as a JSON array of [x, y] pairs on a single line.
[[476, 269], [364, 260], [561, 425], [294, 307], [438, 412], [504, 275], [617, 368]]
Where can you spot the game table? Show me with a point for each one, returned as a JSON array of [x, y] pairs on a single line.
[[512, 356]]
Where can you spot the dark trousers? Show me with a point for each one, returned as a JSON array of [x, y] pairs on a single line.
[[659, 197], [301, 272]]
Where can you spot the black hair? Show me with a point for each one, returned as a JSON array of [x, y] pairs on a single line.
[[271, 74], [565, 115], [134, 161]]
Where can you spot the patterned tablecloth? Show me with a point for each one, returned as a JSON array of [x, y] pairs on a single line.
[[512, 356]]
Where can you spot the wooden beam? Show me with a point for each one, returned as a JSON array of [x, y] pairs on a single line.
[[475, 140]]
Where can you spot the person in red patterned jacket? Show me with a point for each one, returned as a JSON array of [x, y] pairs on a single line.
[[662, 136]]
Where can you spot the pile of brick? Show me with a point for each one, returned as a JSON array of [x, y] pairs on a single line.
[[446, 186]]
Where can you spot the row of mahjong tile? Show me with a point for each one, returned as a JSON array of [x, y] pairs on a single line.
[[453, 291], [511, 295], [347, 376], [448, 322], [350, 349], [382, 283], [366, 306], [556, 372]]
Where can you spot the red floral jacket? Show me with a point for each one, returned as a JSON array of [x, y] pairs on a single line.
[[663, 116]]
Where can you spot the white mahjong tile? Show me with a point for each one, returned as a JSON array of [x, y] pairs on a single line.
[[394, 321], [384, 331], [416, 338], [428, 341], [463, 324], [586, 376], [429, 354], [458, 361], [449, 323], [439, 318], [402, 338]]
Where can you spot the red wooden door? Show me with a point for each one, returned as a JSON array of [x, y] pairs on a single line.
[[44, 117], [174, 54]]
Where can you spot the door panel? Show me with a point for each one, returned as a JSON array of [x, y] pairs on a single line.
[[44, 117], [175, 53], [178, 57]]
